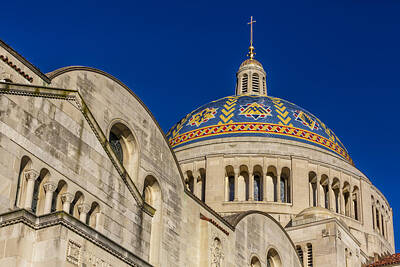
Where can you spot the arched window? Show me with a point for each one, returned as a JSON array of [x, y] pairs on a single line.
[[257, 188], [336, 193], [152, 195], [91, 218], [355, 197], [243, 184], [325, 190], [309, 255], [377, 217], [300, 253], [373, 212], [346, 197], [229, 184], [245, 81], [312, 181], [271, 184], [116, 147], [255, 262], [256, 83], [125, 148], [285, 185], [273, 258], [264, 86], [56, 203], [231, 188]]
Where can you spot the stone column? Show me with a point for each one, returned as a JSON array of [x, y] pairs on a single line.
[[99, 219], [251, 187], [278, 186], [373, 217], [83, 210], [318, 189], [342, 208], [30, 176], [331, 196], [352, 215], [66, 199], [236, 184], [226, 188], [194, 184], [49, 188], [264, 186]]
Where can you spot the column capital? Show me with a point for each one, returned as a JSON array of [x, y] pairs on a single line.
[[50, 186], [83, 208], [67, 197], [31, 174]]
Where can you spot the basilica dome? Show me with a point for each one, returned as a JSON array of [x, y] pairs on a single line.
[[255, 115]]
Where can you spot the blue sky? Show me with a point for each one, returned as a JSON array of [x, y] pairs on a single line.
[[338, 59]]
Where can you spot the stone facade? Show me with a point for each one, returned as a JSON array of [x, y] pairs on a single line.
[[89, 179]]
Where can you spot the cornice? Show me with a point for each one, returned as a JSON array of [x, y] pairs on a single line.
[[66, 220]]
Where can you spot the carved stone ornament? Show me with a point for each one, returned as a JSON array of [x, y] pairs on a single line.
[[217, 254], [83, 208], [67, 197], [50, 186], [73, 252], [31, 174]]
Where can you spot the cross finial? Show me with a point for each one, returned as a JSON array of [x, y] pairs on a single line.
[[251, 48]]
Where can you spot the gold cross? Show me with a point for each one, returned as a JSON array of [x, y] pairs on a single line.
[[251, 29], [251, 48]]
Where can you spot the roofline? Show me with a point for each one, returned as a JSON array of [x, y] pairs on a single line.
[[32, 67], [63, 70], [242, 215]]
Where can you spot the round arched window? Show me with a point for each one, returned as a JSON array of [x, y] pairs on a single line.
[[116, 146]]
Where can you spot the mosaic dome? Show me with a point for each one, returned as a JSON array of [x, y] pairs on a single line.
[[247, 115]]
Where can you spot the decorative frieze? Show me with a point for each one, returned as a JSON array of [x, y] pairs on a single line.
[[17, 69]]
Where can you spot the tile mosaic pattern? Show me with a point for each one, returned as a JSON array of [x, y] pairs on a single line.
[[254, 116]]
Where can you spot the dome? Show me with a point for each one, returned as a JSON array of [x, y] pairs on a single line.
[[250, 61], [250, 115]]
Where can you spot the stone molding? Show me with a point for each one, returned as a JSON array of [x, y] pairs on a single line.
[[64, 219]]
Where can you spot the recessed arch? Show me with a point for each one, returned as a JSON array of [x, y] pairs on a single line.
[[39, 194], [271, 180], [25, 164], [79, 198], [91, 218], [56, 203], [258, 183], [255, 262], [273, 258], [152, 194], [312, 181], [285, 185], [336, 194], [324, 189], [229, 183], [346, 198], [125, 146]]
